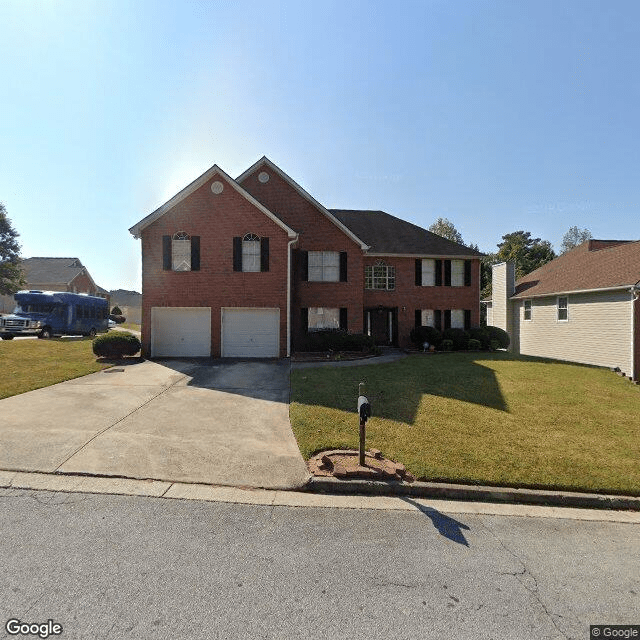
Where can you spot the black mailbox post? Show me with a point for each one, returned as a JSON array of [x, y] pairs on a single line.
[[364, 411]]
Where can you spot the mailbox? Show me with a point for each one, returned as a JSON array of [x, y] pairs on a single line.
[[364, 408]]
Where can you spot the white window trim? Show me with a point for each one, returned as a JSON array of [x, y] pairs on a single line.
[[185, 240], [524, 310], [390, 274], [459, 313], [323, 311], [558, 319], [457, 272], [431, 272], [250, 237], [324, 255]]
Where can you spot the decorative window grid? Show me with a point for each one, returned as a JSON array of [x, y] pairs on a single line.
[[181, 251], [324, 266], [380, 276], [250, 253]]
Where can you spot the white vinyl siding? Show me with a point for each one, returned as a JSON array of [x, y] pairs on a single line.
[[428, 272], [599, 331], [457, 273], [324, 266], [427, 318], [322, 318], [457, 318]]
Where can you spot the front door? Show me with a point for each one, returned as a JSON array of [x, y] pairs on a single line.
[[381, 323]]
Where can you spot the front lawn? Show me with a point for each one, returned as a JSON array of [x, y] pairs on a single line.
[[30, 364], [489, 418]]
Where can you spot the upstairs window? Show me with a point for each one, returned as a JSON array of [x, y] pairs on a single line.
[[380, 276], [324, 266], [563, 309], [181, 252], [250, 252], [457, 273], [527, 309]]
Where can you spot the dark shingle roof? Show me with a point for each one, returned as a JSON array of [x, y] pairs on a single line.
[[385, 233], [51, 270], [595, 264]]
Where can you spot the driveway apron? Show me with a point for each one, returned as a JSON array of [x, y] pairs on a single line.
[[209, 422]]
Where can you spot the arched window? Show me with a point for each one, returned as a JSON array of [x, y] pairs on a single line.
[[250, 252], [181, 251]]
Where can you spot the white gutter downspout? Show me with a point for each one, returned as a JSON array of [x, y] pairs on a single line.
[[635, 294], [291, 242]]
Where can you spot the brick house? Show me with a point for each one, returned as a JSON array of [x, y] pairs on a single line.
[[55, 274], [581, 307], [246, 267]]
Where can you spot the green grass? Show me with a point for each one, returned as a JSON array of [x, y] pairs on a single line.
[[488, 418], [131, 325], [31, 364]]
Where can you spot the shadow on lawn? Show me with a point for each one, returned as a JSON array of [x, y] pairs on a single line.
[[397, 390]]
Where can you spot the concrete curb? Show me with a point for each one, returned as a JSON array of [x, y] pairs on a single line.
[[473, 493]]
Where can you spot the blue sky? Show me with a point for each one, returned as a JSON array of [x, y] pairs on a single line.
[[498, 115]]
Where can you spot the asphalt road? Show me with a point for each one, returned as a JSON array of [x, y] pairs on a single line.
[[127, 567]]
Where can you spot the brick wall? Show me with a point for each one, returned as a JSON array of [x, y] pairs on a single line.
[[407, 297], [317, 233], [217, 219]]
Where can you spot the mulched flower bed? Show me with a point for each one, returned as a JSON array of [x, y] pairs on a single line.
[[344, 464]]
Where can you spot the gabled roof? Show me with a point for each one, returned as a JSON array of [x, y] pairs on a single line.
[[264, 161], [52, 270], [388, 235], [595, 264], [137, 228]]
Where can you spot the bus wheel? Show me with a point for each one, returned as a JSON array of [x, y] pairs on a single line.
[[7, 337], [45, 334], [92, 332]]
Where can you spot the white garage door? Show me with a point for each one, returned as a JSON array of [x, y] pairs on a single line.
[[250, 333], [181, 331]]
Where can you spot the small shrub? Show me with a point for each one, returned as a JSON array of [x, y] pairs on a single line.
[[336, 340], [116, 345], [482, 335], [420, 335], [447, 345], [116, 311], [495, 344], [474, 345], [495, 333], [459, 338]]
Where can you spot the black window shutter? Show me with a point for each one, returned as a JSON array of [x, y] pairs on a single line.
[[467, 273], [438, 273], [467, 319], [343, 266], [237, 254], [264, 254], [438, 319], [447, 273], [166, 253], [304, 314], [195, 253], [304, 266], [418, 273], [418, 322], [343, 318], [447, 319]]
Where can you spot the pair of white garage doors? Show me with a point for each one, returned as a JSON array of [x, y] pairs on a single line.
[[186, 332]]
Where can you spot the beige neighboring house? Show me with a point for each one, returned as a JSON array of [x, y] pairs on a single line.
[[581, 307], [55, 274]]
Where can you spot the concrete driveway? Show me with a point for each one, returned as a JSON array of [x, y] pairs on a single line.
[[175, 420]]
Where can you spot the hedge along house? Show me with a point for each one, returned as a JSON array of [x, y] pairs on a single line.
[[248, 267], [581, 307]]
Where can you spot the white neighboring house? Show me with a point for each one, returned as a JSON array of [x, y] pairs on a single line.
[[581, 307]]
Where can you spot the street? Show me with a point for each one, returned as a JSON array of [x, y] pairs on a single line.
[[106, 566]]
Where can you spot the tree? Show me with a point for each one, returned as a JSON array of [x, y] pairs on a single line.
[[116, 311], [11, 274], [573, 238], [446, 229], [519, 247]]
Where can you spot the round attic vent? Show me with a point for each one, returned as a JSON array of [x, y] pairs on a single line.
[[217, 187], [263, 177]]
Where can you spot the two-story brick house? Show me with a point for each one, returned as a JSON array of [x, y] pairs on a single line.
[[246, 267]]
